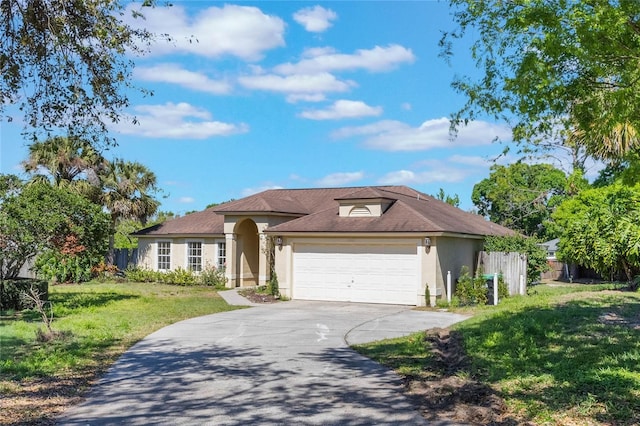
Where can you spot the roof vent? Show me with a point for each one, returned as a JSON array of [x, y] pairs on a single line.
[[359, 211]]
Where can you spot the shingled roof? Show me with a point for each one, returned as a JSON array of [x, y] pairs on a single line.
[[316, 210]]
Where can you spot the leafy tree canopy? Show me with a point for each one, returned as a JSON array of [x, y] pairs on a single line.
[[64, 64], [453, 200], [520, 196], [600, 229], [571, 67], [38, 217]]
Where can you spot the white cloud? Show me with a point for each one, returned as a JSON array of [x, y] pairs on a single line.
[[186, 200], [241, 31], [176, 121], [339, 179], [175, 74], [325, 60], [343, 109], [378, 127], [315, 19], [408, 177], [300, 84], [406, 106], [397, 136], [471, 160], [250, 191]]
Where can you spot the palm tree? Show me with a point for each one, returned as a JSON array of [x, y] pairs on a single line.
[[67, 161], [619, 141], [128, 192]]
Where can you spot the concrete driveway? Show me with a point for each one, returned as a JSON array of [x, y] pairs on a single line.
[[286, 363]]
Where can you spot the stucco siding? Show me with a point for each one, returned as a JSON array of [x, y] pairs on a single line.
[[453, 254], [148, 251]]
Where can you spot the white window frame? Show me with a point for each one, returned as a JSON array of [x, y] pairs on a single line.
[[158, 254], [221, 260], [188, 255]]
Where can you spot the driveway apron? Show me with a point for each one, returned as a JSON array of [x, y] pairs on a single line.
[[286, 363]]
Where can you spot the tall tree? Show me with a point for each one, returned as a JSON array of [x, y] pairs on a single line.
[[520, 196], [70, 161], [600, 229], [553, 67], [129, 191], [453, 200], [66, 64]]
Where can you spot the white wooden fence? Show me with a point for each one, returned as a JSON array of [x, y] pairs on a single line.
[[512, 266]]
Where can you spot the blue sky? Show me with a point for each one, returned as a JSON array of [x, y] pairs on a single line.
[[258, 95]]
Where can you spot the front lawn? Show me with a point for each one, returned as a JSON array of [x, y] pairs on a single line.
[[99, 322], [563, 355]]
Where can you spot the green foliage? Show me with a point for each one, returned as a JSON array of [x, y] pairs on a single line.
[[55, 77], [212, 276], [536, 255], [40, 219], [552, 67], [453, 200], [65, 268], [273, 288], [601, 230], [520, 196], [471, 290], [11, 292]]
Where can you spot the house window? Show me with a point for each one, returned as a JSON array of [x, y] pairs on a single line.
[[164, 255], [194, 256], [222, 255]]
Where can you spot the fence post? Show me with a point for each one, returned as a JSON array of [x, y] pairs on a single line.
[[495, 288], [448, 286]]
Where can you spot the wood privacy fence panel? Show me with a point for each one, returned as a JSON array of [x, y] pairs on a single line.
[[511, 265]]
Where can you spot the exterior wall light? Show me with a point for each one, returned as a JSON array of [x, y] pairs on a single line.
[[279, 242], [427, 242]]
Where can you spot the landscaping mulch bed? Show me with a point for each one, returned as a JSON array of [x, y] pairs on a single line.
[[256, 296]]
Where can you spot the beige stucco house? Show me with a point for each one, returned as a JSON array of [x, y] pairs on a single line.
[[381, 244]]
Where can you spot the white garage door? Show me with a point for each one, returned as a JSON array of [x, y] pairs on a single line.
[[369, 274]]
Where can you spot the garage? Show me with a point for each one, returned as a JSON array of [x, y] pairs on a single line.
[[356, 273]]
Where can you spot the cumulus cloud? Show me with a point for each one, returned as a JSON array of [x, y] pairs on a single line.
[[297, 86], [408, 177], [397, 136], [377, 59], [175, 74], [315, 19], [340, 179], [177, 121], [343, 109], [241, 31]]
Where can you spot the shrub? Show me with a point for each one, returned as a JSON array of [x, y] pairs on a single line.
[[273, 287], [140, 275], [212, 276], [62, 268], [179, 276], [471, 290], [11, 292]]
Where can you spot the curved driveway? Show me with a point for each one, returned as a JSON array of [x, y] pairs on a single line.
[[285, 363]]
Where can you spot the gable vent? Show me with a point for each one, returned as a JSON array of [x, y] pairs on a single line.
[[359, 211]]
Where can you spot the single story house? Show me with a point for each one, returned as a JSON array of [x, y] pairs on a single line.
[[378, 244]]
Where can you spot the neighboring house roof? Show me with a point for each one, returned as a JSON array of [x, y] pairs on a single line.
[[316, 210], [551, 246]]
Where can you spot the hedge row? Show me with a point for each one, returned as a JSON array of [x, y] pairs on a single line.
[[11, 292]]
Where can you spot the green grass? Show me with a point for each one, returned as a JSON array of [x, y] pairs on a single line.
[[563, 354], [102, 320]]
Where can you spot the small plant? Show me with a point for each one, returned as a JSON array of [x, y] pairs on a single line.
[[471, 290], [212, 276], [33, 298], [273, 287]]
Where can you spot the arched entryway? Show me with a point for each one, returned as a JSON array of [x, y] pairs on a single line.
[[248, 253]]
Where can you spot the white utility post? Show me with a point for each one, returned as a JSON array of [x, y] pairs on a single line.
[[448, 286], [522, 284], [495, 288]]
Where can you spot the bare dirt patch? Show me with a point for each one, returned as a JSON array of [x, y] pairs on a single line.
[[447, 395]]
